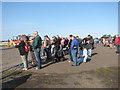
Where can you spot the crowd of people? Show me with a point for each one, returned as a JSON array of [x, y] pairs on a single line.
[[112, 42], [78, 49]]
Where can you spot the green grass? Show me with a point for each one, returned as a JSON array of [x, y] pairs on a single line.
[[15, 72], [10, 72], [46, 81], [107, 69], [98, 71], [26, 72]]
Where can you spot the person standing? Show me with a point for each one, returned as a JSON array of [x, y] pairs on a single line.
[[113, 40], [69, 47], [74, 50], [92, 42], [84, 42], [37, 42], [53, 45], [117, 43], [47, 46], [89, 45], [63, 45], [66, 46], [104, 43], [34, 62], [8, 43], [77, 37], [57, 45], [23, 53], [43, 48], [62, 42], [11, 43]]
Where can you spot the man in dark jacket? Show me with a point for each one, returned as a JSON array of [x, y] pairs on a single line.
[[84, 40], [69, 46], [37, 42], [92, 41], [57, 45], [89, 45]]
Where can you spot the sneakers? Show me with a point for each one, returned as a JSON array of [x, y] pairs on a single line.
[[69, 61], [32, 63], [117, 54], [89, 56], [36, 68], [25, 69]]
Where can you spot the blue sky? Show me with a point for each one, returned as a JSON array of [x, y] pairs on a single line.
[[59, 18]]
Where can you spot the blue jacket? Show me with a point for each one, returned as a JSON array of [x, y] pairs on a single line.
[[74, 43]]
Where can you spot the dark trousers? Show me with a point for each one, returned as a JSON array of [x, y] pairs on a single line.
[[47, 52], [56, 51], [118, 50]]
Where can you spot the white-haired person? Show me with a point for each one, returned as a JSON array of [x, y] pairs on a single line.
[[37, 42]]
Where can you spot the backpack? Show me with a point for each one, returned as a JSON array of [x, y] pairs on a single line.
[[26, 47]]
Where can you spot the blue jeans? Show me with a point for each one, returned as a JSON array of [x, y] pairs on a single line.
[[43, 51], [81, 53], [74, 56], [89, 52], [47, 52], [37, 52], [117, 47], [56, 51], [83, 59], [71, 59], [50, 52], [80, 59]]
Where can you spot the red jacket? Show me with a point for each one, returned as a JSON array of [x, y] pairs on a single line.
[[117, 41]]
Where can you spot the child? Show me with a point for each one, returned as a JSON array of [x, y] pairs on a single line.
[[83, 55]]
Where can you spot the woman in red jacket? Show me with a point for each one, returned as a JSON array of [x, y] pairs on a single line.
[[117, 43]]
